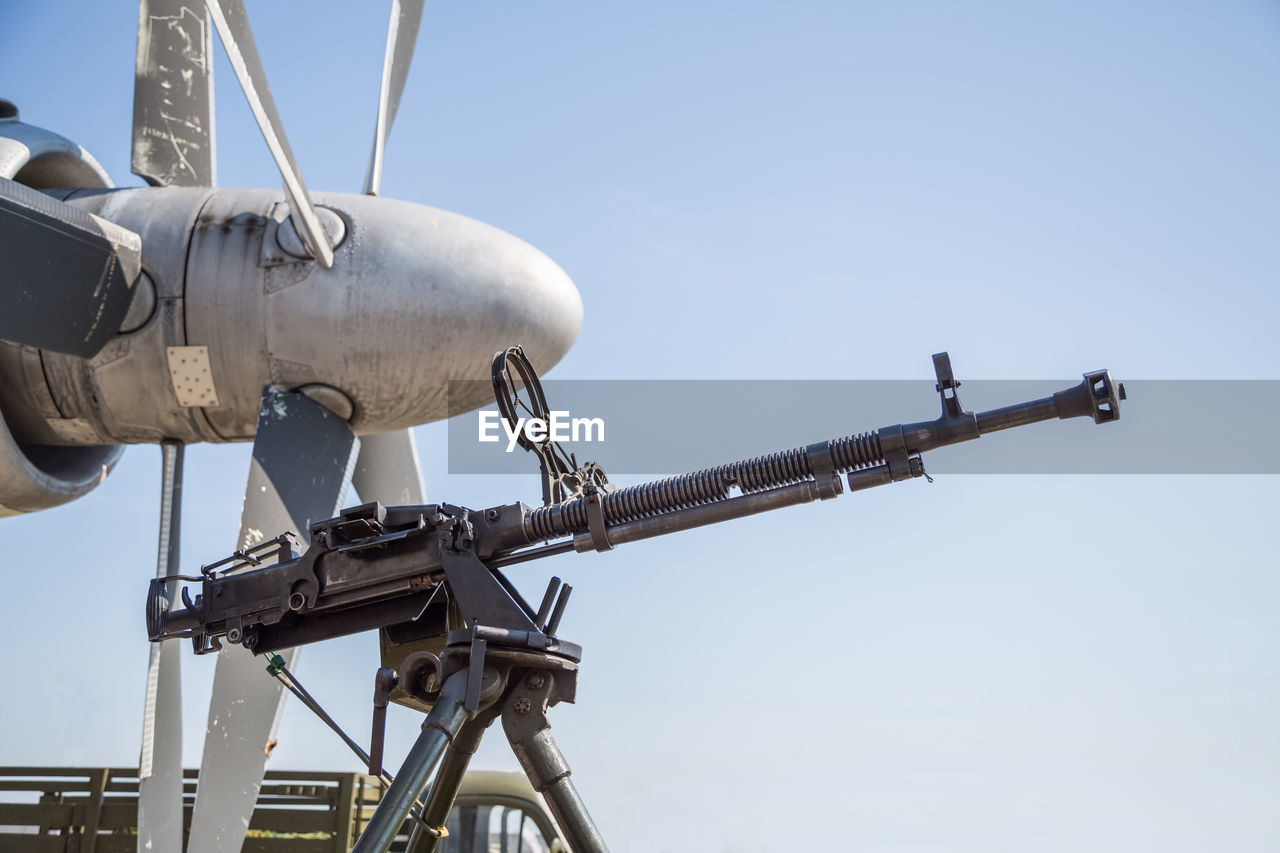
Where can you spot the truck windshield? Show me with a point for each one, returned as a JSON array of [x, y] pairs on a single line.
[[492, 829]]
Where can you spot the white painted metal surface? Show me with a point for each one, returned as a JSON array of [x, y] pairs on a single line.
[[191, 377]]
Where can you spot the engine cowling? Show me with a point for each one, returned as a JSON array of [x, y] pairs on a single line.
[[40, 476], [36, 476]]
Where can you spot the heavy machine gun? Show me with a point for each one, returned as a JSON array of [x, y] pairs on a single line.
[[435, 571]]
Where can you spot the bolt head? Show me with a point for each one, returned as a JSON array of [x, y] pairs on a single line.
[[536, 680], [522, 705]]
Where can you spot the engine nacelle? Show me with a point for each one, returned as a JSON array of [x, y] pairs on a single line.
[[43, 159], [229, 301], [39, 476], [36, 476]]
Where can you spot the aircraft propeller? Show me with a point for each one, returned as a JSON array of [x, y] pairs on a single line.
[[402, 36], [304, 454]]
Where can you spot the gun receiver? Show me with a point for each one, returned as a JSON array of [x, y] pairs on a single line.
[[376, 566]]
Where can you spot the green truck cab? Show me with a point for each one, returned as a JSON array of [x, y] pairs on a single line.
[[499, 812]]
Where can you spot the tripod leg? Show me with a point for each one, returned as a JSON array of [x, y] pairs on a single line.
[[447, 716], [524, 719], [445, 789]]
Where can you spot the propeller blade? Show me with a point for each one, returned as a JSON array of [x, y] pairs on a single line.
[[387, 470], [232, 23], [303, 459], [402, 36], [160, 767], [68, 275], [173, 142]]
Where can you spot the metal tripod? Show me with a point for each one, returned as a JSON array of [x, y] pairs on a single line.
[[485, 674]]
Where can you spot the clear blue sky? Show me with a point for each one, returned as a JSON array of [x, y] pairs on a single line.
[[801, 190]]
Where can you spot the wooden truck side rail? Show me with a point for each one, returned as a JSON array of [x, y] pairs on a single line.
[[95, 810]]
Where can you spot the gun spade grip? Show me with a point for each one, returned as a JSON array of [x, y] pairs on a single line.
[[157, 608], [165, 618]]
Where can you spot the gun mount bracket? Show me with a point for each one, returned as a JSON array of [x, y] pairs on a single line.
[[596, 526]]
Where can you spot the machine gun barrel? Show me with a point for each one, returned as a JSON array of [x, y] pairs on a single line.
[[804, 474], [375, 566]]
